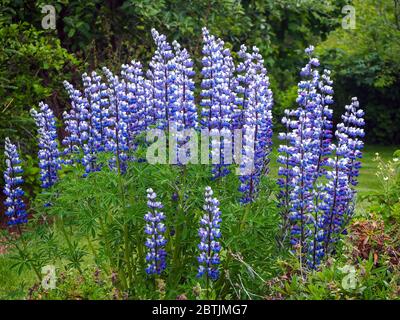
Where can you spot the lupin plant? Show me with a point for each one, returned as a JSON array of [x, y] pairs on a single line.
[[15, 206], [340, 192], [162, 68], [136, 96], [255, 120], [155, 230], [49, 155], [183, 113], [184, 103], [117, 131], [217, 97], [71, 139], [209, 233], [94, 138], [80, 113], [302, 143], [314, 207]]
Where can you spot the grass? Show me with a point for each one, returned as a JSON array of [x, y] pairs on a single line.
[[368, 181], [13, 285]]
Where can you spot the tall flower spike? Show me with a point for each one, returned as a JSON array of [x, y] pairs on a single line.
[[183, 113], [218, 98], [80, 112], [185, 87], [117, 131], [49, 156], [340, 196], [256, 122], [71, 139], [323, 149], [155, 230], [162, 67], [136, 95], [15, 206], [93, 143], [209, 234], [300, 157]]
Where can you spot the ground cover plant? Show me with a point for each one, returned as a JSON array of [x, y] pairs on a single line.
[[162, 188]]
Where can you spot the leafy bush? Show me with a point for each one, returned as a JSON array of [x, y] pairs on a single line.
[[33, 66], [366, 64]]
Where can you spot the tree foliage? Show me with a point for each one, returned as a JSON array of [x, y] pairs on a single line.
[[367, 62]]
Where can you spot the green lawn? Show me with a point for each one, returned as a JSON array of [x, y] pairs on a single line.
[[367, 179]]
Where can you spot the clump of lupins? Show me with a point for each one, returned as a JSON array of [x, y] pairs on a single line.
[[155, 229], [209, 233], [317, 176], [308, 197], [49, 155], [15, 206]]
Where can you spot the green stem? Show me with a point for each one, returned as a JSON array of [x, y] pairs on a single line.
[[244, 217], [91, 247], [106, 243], [68, 240]]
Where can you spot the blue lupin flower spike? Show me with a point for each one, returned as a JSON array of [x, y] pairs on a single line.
[[209, 233], [49, 155], [94, 139], [15, 206], [218, 102], [117, 130], [79, 113], [162, 68], [183, 113], [256, 122], [155, 230], [136, 96], [184, 102], [71, 139], [300, 157], [340, 192]]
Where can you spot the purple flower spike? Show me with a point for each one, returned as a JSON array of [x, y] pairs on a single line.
[[15, 206], [209, 234], [155, 230], [49, 156]]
